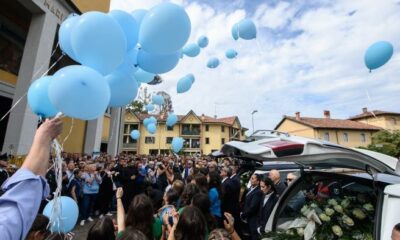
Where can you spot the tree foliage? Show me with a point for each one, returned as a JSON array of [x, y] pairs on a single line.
[[386, 142]]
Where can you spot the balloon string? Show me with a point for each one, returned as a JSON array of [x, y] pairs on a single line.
[[69, 133], [55, 220], [26, 93]]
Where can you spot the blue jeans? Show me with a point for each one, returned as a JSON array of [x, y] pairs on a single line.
[[87, 205]]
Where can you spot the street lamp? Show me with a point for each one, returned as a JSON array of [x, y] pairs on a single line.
[[252, 118]]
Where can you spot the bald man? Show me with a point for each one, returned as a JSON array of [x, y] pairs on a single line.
[[275, 176], [396, 232]]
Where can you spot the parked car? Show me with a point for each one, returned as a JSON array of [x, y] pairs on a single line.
[[345, 192]]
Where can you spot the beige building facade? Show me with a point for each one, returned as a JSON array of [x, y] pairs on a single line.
[[339, 131], [202, 134]]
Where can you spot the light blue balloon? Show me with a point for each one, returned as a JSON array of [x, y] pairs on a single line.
[[246, 29], [157, 99], [146, 122], [135, 134], [64, 35], [202, 41], [79, 92], [149, 107], [157, 63], [177, 144], [235, 31], [185, 83], [231, 53], [69, 215], [143, 76], [172, 120], [128, 24], [99, 42], [191, 50], [123, 87], [151, 128], [213, 62], [165, 29], [153, 120], [129, 66], [38, 98], [139, 14], [378, 54]]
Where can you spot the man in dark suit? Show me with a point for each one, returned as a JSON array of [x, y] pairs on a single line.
[[267, 203], [227, 203], [275, 176], [234, 181], [252, 205]]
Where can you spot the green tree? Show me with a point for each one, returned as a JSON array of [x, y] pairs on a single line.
[[386, 142]]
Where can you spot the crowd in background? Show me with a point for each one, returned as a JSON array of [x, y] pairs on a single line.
[[204, 193]]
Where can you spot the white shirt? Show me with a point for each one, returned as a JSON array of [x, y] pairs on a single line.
[[223, 180], [267, 197]]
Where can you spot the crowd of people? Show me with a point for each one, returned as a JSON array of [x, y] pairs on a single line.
[[154, 197]]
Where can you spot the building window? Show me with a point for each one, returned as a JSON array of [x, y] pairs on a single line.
[[207, 128], [326, 136], [363, 138], [170, 128], [345, 137], [150, 140], [207, 140], [190, 129], [195, 143], [153, 152], [222, 140], [222, 129], [394, 122], [169, 140]]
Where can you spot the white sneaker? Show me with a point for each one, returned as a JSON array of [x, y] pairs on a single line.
[[90, 219], [101, 216], [109, 214], [82, 223]]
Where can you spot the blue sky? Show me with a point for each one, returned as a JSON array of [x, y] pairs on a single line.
[[308, 57]]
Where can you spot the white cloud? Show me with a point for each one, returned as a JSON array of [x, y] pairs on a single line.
[[320, 69]]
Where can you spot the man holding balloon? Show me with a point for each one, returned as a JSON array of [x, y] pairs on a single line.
[[25, 190]]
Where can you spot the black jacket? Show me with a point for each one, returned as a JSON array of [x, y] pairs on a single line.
[[265, 210], [228, 204], [280, 188], [252, 203]]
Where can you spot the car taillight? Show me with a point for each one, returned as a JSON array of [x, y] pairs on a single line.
[[283, 148]]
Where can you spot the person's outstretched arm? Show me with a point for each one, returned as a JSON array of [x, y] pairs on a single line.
[[25, 190], [120, 210]]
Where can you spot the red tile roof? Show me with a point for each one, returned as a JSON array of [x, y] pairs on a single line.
[[373, 113], [226, 120], [205, 119], [331, 123]]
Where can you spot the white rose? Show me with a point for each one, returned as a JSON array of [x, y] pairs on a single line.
[[329, 211], [332, 202], [338, 208], [337, 230]]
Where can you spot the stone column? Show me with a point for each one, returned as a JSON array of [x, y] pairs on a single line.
[[22, 122], [115, 125], [121, 130], [94, 130]]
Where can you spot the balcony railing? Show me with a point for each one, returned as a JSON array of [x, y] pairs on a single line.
[[129, 145], [191, 132]]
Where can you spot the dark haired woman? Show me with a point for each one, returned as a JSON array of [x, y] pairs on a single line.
[[270, 197], [132, 234], [202, 202], [139, 217], [103, 229], [215, 194], [187, 195], [190, 226], [201, 181], [106, 191]]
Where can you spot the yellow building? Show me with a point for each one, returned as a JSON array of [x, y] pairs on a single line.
[[202, 134], [28, 46], [386, 120], [339, 131]]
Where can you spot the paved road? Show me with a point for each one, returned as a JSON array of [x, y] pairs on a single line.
[[81, 232]]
